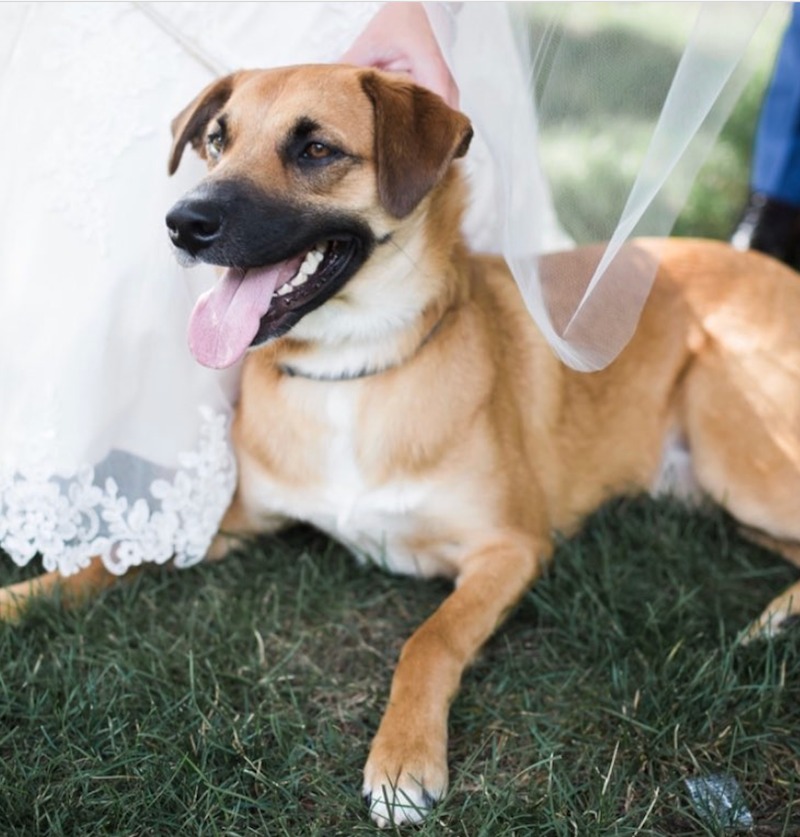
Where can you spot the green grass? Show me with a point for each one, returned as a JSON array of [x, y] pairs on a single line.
[[240, 698]]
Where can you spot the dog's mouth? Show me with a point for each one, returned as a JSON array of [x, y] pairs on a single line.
[[249, 306]]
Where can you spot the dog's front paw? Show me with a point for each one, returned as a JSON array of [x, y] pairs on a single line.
[[403, 781]]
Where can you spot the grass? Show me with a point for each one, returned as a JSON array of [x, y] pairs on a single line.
[[240, 698]]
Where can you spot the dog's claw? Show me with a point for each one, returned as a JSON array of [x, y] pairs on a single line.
[[429, 799]]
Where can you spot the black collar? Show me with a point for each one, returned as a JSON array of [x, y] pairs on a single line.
[[366, 372]]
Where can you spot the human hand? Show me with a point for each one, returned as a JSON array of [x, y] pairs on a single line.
[[399, 39]]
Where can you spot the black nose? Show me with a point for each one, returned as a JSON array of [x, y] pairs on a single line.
[[194, 224]]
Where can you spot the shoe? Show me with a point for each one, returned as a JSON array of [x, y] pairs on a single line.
[[770, 226]]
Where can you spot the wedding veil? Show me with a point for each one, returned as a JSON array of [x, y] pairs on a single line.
[[573, 72]]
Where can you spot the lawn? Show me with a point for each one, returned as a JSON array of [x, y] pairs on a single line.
[[239, 698]]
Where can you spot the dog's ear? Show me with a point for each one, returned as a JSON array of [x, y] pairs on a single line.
[[190, 124], [417, 136]]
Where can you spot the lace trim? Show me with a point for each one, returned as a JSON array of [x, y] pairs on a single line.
[[69, 519]]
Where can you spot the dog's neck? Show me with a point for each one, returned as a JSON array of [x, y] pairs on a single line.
[[391, 310], [391, 345], [369, 368]]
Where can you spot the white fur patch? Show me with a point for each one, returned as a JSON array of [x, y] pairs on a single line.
[[404, 803], [372, 521], [676, 477]]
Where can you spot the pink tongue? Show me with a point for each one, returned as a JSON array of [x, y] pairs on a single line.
[[226, 319]]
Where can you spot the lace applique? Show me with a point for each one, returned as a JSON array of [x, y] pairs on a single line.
[[69, 518]]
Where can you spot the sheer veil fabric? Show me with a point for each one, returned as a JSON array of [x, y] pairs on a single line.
[[113, 441], [690, 92]]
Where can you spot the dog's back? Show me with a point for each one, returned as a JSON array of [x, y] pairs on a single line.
[[714, 365]]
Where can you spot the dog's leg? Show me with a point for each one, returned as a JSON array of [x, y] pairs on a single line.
[[72, 589], [240, 525], [776, 615], [782, 608], [407, 767], [753, 472]]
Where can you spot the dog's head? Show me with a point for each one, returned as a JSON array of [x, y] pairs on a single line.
[[311, 170]]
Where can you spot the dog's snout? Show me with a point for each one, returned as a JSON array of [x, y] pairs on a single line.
[[194, 224]]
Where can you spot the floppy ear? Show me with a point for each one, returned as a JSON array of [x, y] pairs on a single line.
[[190, 124], [417, 136]]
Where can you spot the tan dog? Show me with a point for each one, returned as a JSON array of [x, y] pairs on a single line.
[[399, 397]]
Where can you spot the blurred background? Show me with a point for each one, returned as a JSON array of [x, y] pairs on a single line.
[[602, 153]]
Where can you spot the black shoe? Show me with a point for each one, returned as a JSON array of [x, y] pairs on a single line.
[[770, 226]]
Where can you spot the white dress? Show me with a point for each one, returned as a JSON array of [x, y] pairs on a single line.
[[113, 440]]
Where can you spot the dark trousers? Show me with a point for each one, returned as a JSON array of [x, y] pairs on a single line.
[[776, 154]]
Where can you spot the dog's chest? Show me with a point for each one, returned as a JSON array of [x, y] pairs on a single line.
[[378, 522]]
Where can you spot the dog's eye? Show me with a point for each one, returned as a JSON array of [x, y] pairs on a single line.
[[214, 144], [317, 151]]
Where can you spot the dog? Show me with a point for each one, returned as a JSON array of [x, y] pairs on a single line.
[[396, 394]]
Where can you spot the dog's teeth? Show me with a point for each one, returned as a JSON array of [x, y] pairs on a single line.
[[311, 262], [308, 268]]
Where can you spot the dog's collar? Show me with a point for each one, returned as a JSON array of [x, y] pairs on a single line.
[[292, 372]]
